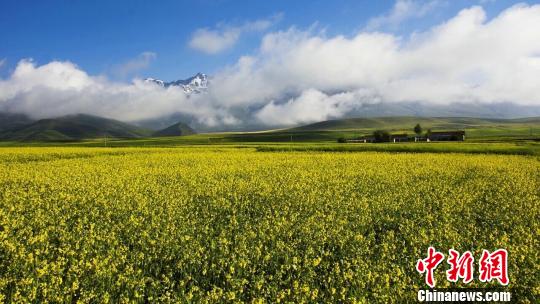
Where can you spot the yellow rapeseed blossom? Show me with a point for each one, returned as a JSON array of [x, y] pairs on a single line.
[[216, 224]]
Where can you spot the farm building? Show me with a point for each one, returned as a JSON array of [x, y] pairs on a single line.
[[372, 139], [396, 138], [363, 139], [446, 136], [399, 138]]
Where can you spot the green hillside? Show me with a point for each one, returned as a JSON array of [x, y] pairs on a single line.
[[477, 130], [178, 129], [406, 122], [10, 121], [73, 127]]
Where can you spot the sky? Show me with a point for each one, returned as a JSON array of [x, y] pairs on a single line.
[[275, 62], [99, 36]]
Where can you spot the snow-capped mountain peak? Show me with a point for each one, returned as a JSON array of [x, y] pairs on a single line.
[[156, 81], [195, 84]]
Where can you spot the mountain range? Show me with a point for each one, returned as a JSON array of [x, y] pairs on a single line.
[[505, 110], [13, 120], [18, 127], [407, 122], [192, 85]]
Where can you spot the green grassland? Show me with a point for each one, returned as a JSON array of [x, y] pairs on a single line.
[[406, 122], [477, 130], [520, 136]]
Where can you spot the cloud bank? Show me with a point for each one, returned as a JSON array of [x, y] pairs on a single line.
[[466, 59], [61, 88], [301, 76]]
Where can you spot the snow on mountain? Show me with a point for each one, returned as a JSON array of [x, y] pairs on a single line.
[[193, 85], [156, 81]]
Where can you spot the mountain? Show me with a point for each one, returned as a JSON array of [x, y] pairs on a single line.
[[456, 109], [73, 127], [407, 122], [250, 122], [10, 121], [193, 85], [178, 129]]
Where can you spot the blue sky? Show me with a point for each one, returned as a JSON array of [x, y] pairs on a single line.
[[101, 37], [272, 63]]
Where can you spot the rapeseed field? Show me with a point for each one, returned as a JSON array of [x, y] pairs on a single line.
[[214, 225]]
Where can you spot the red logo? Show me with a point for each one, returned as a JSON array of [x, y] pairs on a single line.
[[429, 264], [460, 266], [494, 266]]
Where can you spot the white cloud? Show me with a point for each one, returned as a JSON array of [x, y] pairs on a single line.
[[466, 59], [2, 62], [60, 88], [303, 76], [128, 68], [312, 105], [213, 41], [401, 11], [223, 37]]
